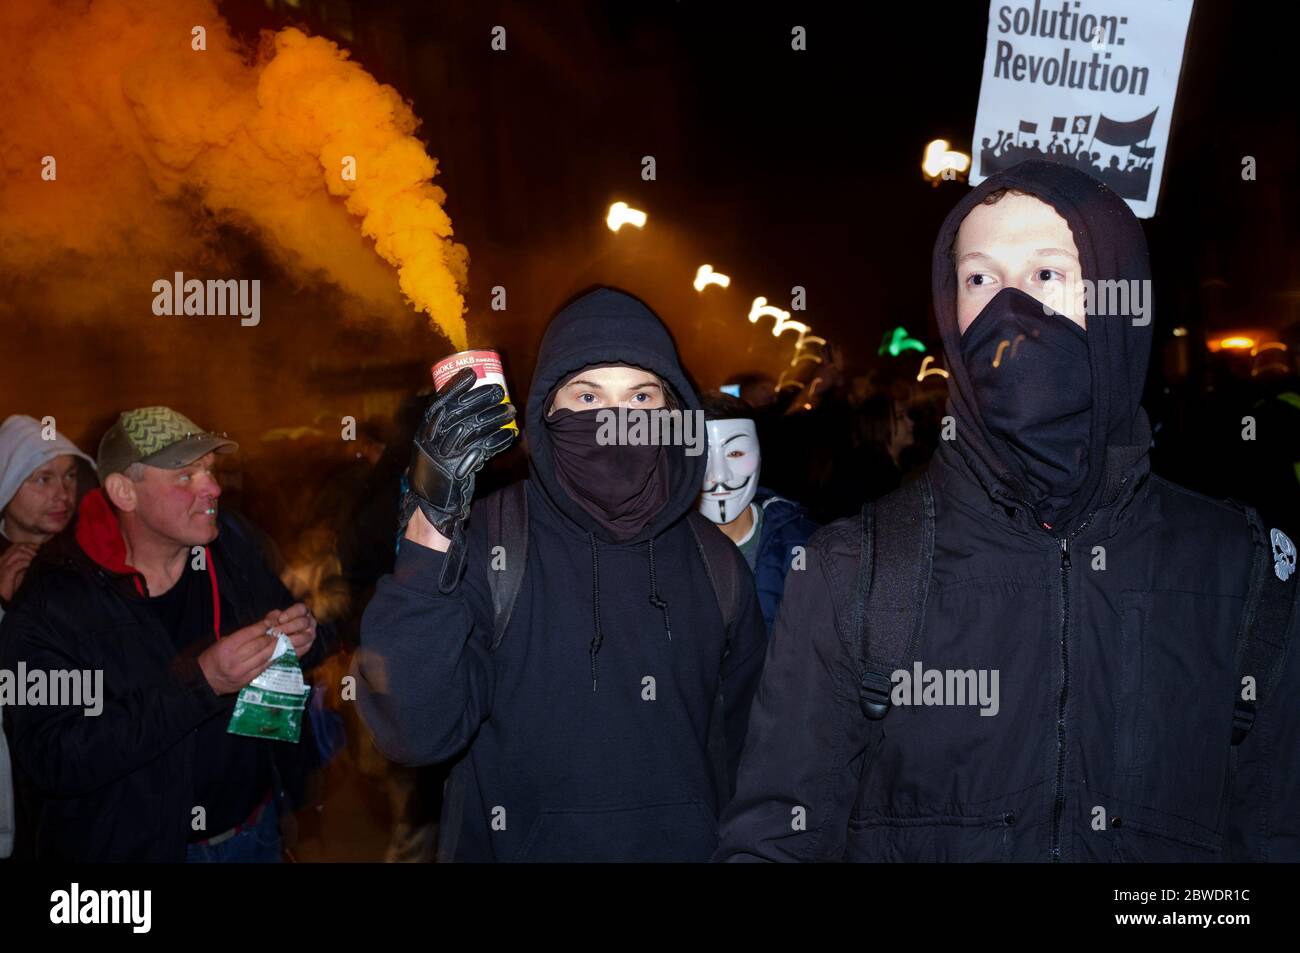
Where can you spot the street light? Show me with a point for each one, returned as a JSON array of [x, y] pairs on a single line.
[[938, 158], [620, 214], [705, 276]]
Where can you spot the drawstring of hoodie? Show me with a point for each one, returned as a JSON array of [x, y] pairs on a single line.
[[654, 593], [598, 636]]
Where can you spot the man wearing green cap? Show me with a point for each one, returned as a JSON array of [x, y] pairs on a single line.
[[173, 601]]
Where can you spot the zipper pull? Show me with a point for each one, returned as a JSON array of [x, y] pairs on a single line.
[[1065, 552]]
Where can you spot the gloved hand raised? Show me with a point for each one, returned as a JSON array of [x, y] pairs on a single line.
[[463, 428]]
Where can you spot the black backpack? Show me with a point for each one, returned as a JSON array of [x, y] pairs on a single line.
[[880, 618]]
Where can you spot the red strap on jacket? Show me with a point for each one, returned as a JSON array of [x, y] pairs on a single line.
[[216, 592]]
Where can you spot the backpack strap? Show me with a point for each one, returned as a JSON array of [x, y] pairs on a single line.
[[1266, 623], [719, 555], [895, 559], [506, 513], [507, 523]]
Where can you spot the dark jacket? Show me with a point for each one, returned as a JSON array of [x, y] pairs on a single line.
[[1113, 642], [555, 767], [5, 543], [118, 786], [785, 526]]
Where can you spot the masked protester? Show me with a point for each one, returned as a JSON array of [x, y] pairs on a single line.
[[167, 602], [771, 532], [587, 671], [1039, 651]]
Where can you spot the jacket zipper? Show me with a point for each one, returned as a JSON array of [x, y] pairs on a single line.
[[1059, 808]]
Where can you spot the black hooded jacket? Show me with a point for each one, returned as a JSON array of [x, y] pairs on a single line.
[[1112, 636], [555, 768]]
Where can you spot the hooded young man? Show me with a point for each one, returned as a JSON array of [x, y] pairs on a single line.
[[770, 531], [38, 495], [603, 722], [1081, 616]]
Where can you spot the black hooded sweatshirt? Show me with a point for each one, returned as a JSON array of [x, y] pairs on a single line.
[[1112, 634], [557, 767]]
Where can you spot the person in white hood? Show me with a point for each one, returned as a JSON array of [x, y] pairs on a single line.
[[38, 493], [38, 496]]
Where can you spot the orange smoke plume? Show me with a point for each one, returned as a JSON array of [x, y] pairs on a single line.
[[127, 151]]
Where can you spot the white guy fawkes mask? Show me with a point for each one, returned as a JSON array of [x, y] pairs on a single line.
[[732, 475]]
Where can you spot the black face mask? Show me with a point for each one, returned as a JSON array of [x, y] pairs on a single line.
[[623, 487], [1036, 403]]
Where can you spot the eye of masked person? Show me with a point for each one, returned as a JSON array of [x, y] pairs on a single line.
[[611, 387], [1018, 242]]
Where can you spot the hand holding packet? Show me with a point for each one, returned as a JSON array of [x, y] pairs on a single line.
[[271, 705]]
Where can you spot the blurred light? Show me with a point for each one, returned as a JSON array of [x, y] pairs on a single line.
[[939, 157], [1003, 345], [706, 276], [897, 341], [761, 309], [1235, 342], [1180, 332], [1268, 346], [799, 355], [927, 370], [620, 214]]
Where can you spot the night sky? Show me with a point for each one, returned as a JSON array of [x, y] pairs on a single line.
[[783, 167]]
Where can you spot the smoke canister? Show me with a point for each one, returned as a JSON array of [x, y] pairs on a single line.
[[487, 368]]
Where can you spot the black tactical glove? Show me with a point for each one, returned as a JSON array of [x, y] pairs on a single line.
[[463, 428]]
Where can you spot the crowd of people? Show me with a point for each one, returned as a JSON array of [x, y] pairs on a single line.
[[874, 620]]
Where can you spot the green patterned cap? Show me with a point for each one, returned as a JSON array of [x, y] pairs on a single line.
[[156, 437]]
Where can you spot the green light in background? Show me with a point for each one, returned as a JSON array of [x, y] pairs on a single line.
[[897, 341]]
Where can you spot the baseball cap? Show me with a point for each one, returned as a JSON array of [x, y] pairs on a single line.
[[156, 437]]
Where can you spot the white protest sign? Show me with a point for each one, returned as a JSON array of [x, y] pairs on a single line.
[[1089, 83]]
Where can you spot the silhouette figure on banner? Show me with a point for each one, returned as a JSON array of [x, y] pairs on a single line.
[[1132, 180]]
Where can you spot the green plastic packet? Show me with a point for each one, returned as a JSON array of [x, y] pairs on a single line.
[[271, 705]]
